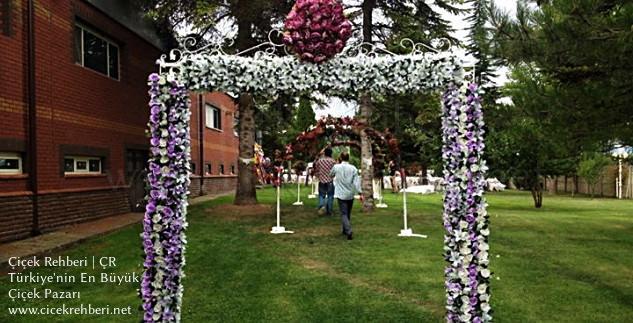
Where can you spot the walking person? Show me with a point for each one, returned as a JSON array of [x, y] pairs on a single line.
[[346, 185], [393, 170], [322, 168]]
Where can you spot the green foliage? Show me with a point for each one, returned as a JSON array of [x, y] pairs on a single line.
[[592, 167], [304, 117], [585, 49], [416, 122], [529, 139], [480, 45], [203, 17]]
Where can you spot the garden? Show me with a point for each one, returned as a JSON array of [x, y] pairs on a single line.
[[565, 262]]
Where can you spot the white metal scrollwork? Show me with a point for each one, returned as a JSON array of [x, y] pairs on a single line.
[[172, 61]]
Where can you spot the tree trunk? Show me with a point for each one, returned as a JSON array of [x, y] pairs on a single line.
[[425, 172], [246, 193], [366, 110], [367, 169], [537, 195]]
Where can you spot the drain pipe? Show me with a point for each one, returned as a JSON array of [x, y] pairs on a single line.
[[201, 122], [32, 116]]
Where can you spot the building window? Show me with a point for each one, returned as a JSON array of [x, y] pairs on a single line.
[[10, 163], [207, 169], [221, 169], [82, 165], [95, 52], [232, 169], [213, 117]]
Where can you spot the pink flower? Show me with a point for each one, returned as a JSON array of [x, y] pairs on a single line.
[[316, 29], [307, 56], [287, 39]]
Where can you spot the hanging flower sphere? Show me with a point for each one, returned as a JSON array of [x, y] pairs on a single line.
[[317, 30]]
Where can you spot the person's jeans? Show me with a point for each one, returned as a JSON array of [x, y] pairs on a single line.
[[346, 215], [326, 197]]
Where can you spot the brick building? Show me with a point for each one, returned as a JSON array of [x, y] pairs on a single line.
[[74, 112]]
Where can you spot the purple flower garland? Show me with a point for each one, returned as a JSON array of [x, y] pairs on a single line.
[[465, 217], [165, 214]]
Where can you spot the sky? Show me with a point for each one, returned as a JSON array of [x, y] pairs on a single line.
[[336, 107]]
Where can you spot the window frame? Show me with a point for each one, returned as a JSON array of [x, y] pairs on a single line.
[[87, 160], [12, 155], [211, 116], [83, 28]]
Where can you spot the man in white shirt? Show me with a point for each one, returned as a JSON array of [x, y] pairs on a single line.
[[346, 185]]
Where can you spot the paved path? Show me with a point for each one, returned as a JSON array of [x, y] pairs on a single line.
[[72, 235]]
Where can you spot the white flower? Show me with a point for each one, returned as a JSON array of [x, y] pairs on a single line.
[[485, 273]]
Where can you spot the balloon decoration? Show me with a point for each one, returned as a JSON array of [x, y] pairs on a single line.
[[316, 30]]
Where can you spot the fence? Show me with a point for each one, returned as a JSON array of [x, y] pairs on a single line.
[[606, 186]]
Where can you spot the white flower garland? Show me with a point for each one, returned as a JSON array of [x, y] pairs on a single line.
[[271, 75]]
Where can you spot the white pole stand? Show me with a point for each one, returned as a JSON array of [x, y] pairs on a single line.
[[314, 193], [278, 228], [381, 204], [407, 232], [298, 193]]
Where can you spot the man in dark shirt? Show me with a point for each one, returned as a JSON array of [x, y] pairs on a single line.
[[322, 168]]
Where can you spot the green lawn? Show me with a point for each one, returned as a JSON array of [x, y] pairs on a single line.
[[570, 261]]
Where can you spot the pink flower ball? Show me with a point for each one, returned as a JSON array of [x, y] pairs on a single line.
[[316, 30]]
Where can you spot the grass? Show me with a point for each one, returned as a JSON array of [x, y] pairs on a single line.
[[571, 261]]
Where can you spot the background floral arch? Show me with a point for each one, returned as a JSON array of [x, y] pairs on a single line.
[[349, 129], [359, 69]]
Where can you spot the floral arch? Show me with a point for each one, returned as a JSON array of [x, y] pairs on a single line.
[[359, 68], [342, 131]]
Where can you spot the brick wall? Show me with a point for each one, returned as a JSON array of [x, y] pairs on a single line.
[[213, 185], [16, 218], [82, 110], [77, 107], [220, 145], [67, 208]]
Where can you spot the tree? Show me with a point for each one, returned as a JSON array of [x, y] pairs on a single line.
[[591, 168], [253, 20], [304, 116], [528, 139], [480, 46], [416, 122], [586, 49], [415, 118]]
